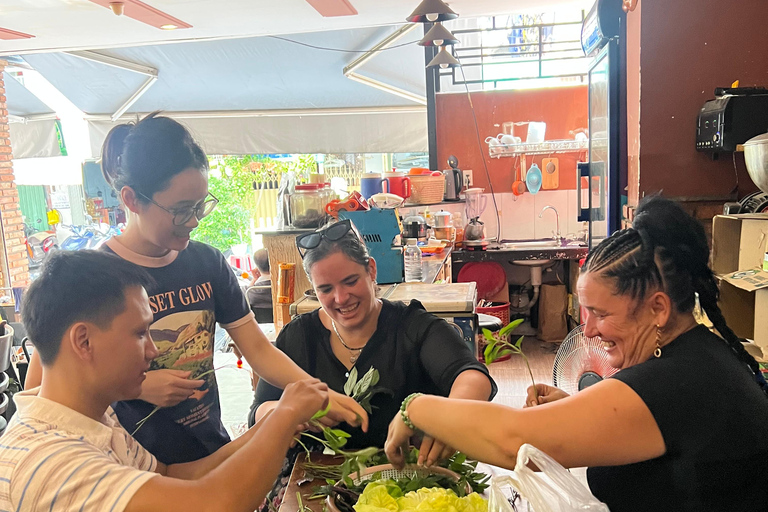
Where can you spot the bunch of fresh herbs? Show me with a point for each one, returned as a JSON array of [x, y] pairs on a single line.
[[498, 347], [363, 390]]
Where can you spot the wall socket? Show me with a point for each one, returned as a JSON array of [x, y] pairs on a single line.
[[467, 178]]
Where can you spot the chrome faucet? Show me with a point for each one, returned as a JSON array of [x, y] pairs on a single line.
[[557, 218]]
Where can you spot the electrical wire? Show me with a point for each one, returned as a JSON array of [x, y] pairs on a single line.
[[482, 155], [341, 50], [736, 172]]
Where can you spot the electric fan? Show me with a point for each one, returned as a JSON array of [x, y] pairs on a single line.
[[580, 362]]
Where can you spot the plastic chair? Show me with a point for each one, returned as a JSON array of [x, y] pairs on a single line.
[[263, 315]]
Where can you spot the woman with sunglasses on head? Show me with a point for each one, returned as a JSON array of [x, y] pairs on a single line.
[[161, 176], [412, 350]]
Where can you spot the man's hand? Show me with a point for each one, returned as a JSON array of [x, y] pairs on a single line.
[[167, 388], [345, 409], [546, 394], [304, 398], [432, 450]]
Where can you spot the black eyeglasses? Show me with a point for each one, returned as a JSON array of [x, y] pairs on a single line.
[[333, 232], [182, 215]]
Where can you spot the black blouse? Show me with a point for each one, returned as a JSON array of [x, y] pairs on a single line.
[[413, 351], [714, 420]]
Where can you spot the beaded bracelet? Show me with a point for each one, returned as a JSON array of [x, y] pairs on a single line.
[[404, 410]]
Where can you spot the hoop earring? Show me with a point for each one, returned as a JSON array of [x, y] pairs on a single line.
[[657, 352]]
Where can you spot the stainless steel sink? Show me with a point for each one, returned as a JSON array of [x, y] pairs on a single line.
[[530, 245], [530, 263]]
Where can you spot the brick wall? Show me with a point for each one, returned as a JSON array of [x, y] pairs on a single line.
[[10, 213]]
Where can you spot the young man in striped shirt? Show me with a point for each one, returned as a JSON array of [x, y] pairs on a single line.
[[88, 316]]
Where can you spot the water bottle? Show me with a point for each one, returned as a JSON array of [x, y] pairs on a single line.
[[412, 257]]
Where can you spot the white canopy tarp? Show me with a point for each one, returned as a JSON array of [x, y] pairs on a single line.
[[362, 131]]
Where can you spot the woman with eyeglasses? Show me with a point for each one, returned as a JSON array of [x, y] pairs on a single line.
[[161, 176], [412, 350]]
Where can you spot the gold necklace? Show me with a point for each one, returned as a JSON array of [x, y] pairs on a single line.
[[352, 358]]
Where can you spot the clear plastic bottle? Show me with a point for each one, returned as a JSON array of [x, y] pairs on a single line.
[[412, 256]]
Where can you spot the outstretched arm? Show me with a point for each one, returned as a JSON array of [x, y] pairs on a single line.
[[594, 419]]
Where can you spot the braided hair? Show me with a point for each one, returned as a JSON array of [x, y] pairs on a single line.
[[666, 249]]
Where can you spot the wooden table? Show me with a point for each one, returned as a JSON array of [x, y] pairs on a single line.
[[290, 503]]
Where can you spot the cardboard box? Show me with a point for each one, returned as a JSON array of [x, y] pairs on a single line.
[[738, 248]]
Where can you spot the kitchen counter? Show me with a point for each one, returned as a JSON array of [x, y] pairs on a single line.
[[432, 266], [435, 267], [511, 255]]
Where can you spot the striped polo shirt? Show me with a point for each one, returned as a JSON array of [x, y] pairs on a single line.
[[55, 459]]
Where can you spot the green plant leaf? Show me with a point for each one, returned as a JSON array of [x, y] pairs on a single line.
[[511, 326], [519, 342], [488, 335], [349, 386], [487, 354], [321, 413], [504, 352]]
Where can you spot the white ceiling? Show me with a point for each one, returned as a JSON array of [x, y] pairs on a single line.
[[80, 24]]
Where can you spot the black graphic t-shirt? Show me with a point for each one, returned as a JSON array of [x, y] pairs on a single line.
[[195, 289]]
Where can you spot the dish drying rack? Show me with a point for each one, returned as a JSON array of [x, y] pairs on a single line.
[[549, 147]]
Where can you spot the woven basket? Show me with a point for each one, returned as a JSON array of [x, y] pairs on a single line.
[[389, 471], [426, 189]]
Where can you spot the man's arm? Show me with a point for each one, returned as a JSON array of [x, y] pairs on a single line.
[[199, 468], [245, 475]]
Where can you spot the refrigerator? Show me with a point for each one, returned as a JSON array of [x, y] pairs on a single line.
[[602, 180]]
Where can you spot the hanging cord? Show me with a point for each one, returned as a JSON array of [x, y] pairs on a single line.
[[340, 50], [736, 172], [482, 154]]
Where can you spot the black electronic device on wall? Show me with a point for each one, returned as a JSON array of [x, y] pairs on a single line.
[[732, 118]]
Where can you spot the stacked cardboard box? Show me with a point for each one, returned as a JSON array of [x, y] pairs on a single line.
[[738, 249]]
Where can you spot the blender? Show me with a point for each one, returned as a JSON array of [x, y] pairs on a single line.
[[474, 231]]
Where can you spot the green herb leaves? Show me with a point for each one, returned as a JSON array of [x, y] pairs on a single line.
[[363, 390], [498, 347]]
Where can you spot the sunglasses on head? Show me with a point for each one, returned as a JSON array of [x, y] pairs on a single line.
[[332, 233]]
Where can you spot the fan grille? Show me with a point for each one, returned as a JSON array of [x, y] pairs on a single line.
[[577, 358]]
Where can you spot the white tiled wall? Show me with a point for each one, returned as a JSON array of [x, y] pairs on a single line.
[[519, 215]]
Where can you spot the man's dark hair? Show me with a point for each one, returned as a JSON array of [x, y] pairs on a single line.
[[261, 260], [82, 286]]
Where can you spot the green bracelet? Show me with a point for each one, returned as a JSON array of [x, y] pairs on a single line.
[[404, 410]]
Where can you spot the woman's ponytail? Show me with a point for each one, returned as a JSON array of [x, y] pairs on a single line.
[[111, 153]]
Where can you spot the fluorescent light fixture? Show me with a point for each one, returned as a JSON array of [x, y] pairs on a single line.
[[438, 35], [431, 11], [168, 27], [444, 60]]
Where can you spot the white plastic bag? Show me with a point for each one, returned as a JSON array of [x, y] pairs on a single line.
[[552, 489]]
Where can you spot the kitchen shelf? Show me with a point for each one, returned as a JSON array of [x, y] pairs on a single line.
[[550, 147], [408, 205]]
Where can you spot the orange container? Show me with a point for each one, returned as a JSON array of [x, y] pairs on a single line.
[[285, 283]]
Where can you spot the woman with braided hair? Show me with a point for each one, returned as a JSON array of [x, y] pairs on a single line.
[[682, 426]]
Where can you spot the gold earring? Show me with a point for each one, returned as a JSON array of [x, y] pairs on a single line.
[[657, 352]]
